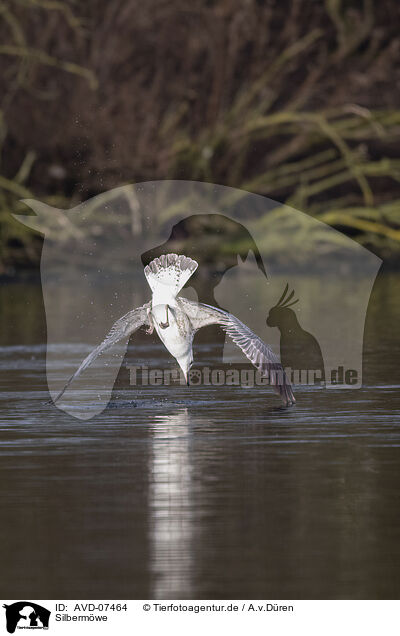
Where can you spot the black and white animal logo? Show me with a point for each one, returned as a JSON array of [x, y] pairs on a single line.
[[25, 614]]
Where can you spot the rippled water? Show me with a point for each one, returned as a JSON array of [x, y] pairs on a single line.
[[199, 492]]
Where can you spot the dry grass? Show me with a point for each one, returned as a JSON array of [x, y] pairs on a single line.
[[291, 99]]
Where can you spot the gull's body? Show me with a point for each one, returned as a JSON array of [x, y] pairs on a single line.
[[165, 284], [176, 320]]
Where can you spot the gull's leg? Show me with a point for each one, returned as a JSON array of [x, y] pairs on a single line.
[[150, 318], [164, 325]]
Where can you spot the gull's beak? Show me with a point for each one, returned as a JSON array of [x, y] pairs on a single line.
[[185, 364]]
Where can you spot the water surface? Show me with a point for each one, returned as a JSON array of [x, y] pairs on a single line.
[[199, 492]]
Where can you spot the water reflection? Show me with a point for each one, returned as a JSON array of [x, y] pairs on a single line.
[[171, 506]]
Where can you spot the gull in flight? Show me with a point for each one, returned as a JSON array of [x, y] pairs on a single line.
[[176, 320]]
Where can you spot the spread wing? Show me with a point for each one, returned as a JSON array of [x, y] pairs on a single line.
[[257, 351], [122, 328]]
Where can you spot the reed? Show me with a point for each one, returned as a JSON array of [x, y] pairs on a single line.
[[293, 101]]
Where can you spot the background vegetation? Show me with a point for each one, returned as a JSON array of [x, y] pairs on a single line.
[[294, 99]]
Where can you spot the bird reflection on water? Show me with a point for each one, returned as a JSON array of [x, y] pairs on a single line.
[[171, 505]]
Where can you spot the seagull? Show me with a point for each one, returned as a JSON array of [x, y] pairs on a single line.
[[176, 320]]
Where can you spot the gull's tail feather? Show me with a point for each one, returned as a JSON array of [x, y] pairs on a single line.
[[169, 271]]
